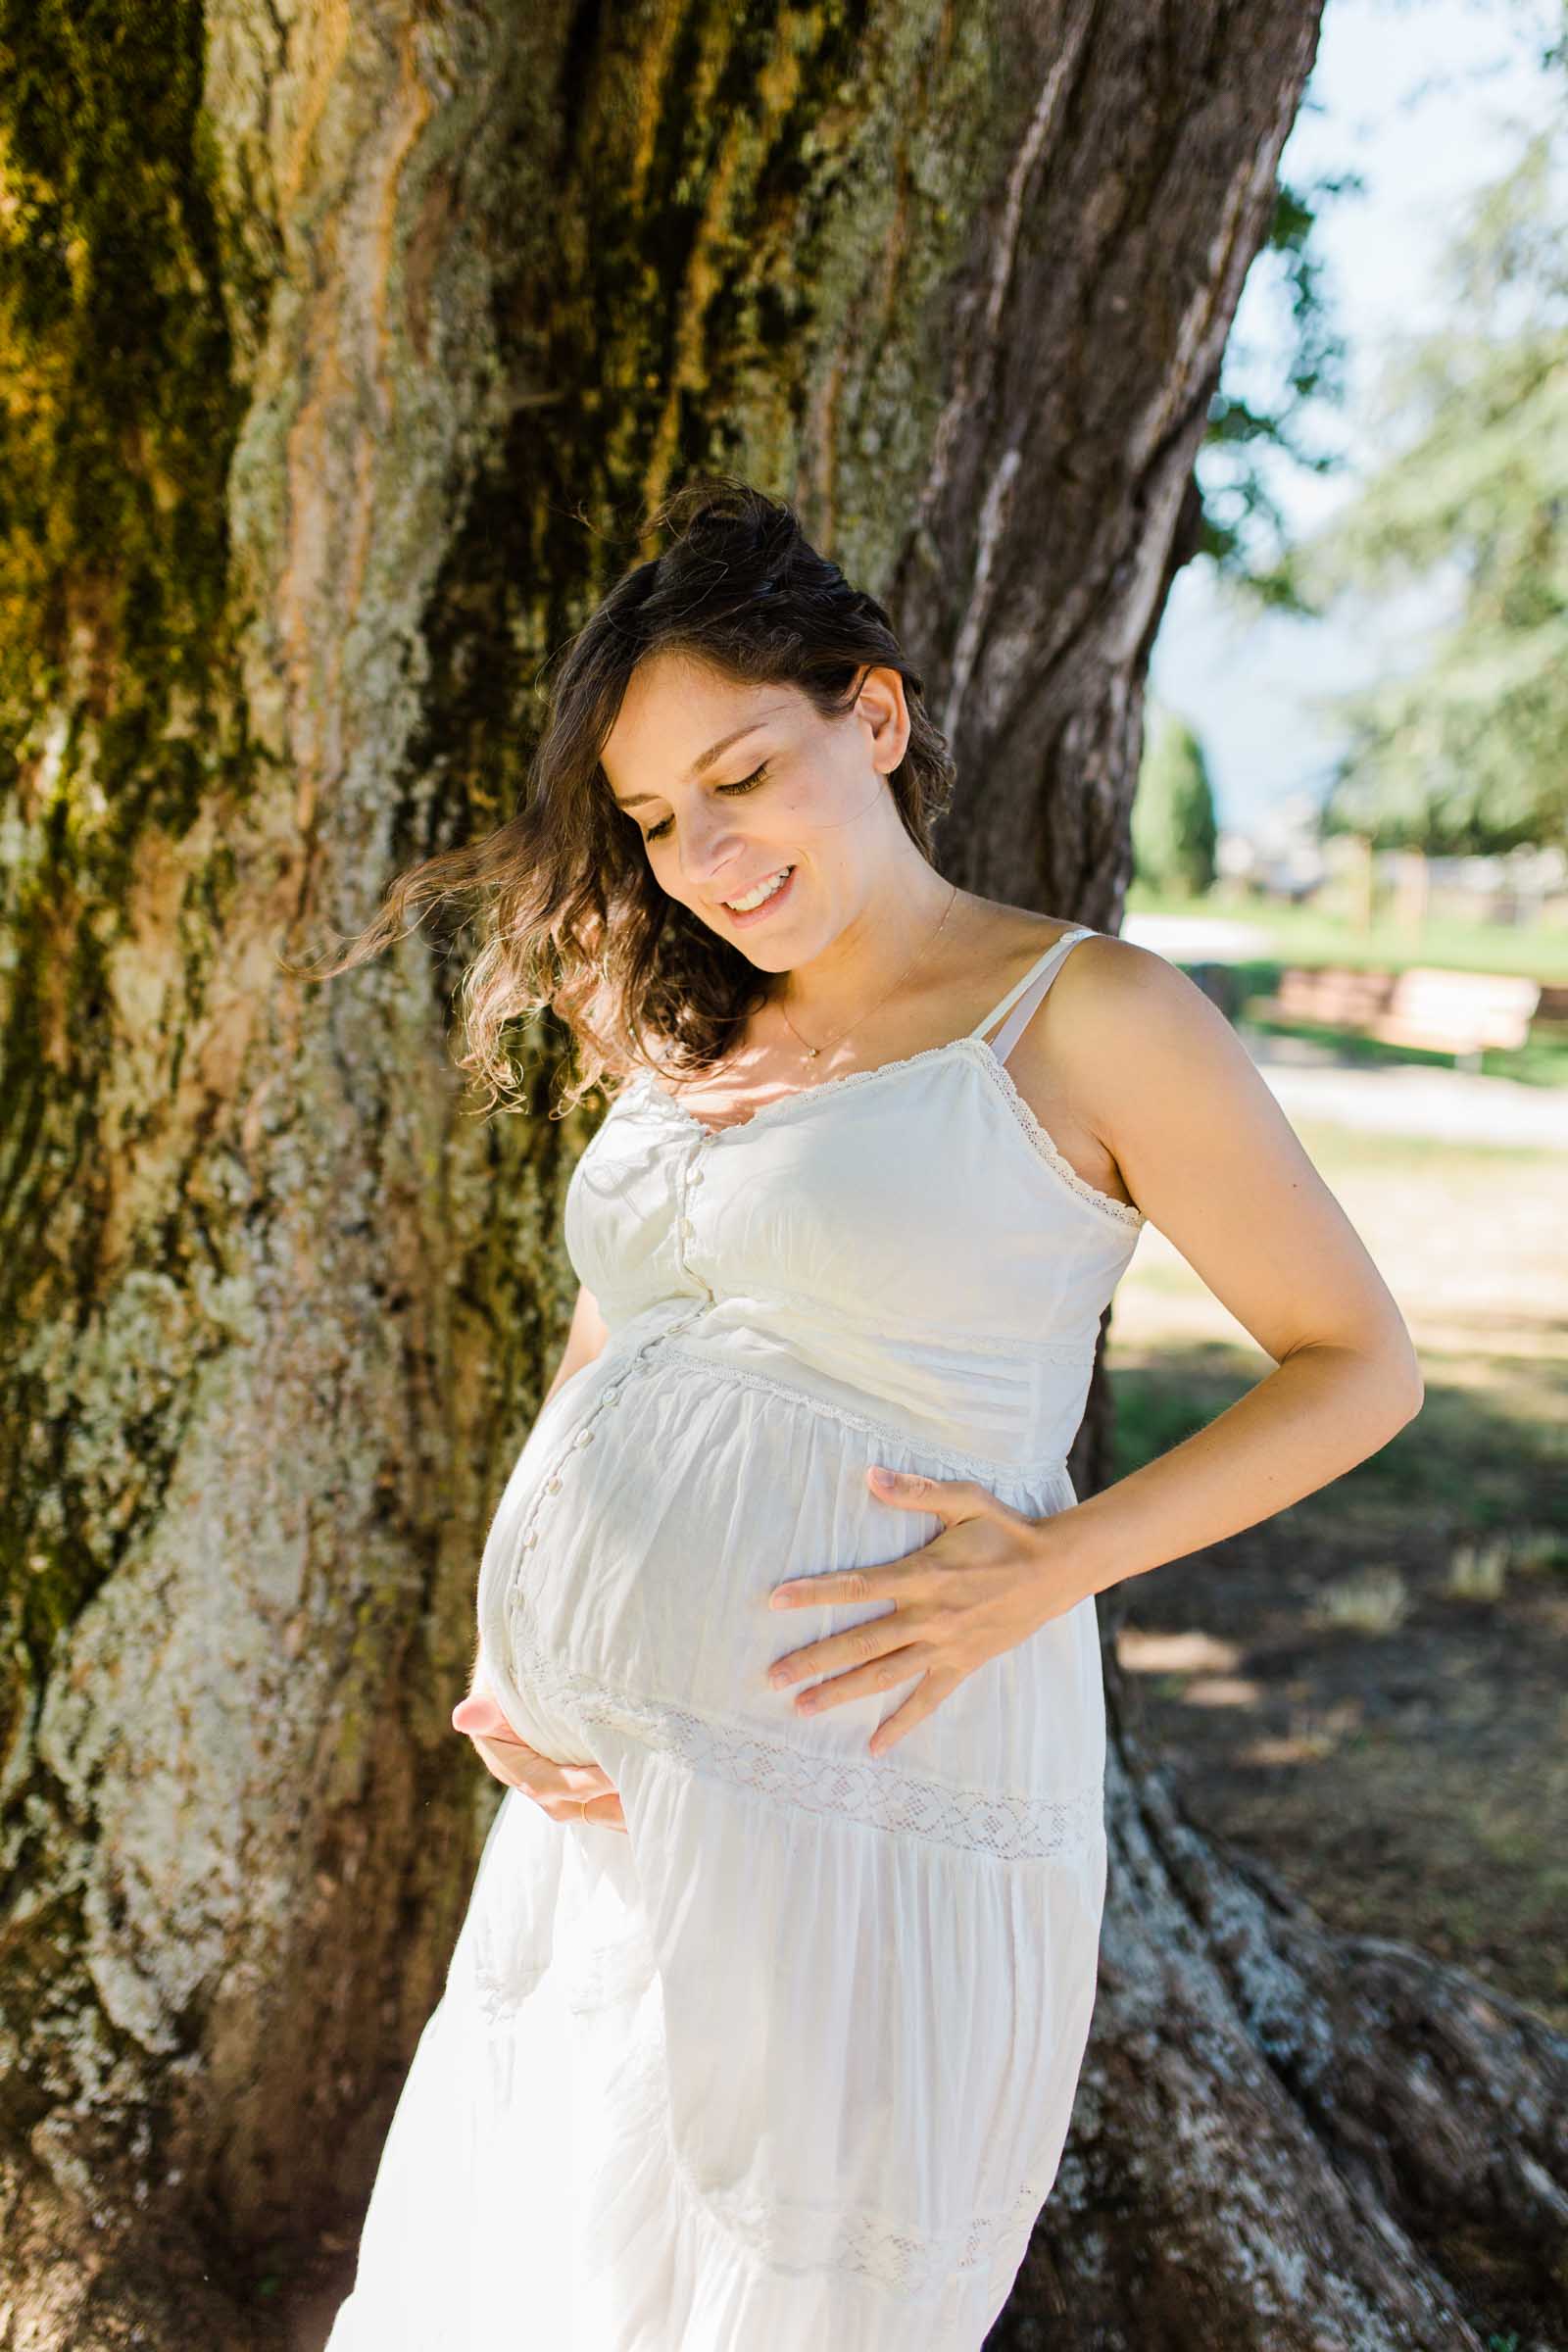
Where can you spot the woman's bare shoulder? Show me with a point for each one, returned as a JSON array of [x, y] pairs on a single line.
[[1004, 940], [1110, 996]]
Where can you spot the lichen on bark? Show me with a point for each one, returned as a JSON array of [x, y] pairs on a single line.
[[118, 415]]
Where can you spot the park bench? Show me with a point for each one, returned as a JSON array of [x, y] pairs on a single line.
[[1441, 1011]]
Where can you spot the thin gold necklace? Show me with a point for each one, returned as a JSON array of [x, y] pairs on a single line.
[[811, 1051]]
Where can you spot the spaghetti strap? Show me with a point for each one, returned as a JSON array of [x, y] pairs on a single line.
[[1043, 971]]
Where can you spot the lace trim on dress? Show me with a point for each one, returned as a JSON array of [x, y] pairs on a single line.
[[1123, 1211], [864, 2241], [869, 1790], [799, 1094], [501, 1991], [600, 1979], [607, 1975]]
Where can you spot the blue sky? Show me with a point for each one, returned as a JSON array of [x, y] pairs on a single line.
[[1428, 100]]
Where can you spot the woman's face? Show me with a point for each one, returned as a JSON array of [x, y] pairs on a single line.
[[728, 785]]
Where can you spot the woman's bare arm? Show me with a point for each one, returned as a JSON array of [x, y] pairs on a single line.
[[584, 1341], [1205, 1150]]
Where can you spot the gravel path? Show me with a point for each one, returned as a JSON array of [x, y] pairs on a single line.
[[1456, 1107]]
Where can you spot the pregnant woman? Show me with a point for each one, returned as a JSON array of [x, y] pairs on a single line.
[[763, 2025]]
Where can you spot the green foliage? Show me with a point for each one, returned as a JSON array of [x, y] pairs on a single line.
[[1241, 517], [1175, 832], [1464, 750]]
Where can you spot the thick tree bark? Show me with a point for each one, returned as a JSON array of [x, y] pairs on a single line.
[[328, 326]]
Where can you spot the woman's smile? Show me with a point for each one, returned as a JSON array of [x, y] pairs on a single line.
[[778, 892]]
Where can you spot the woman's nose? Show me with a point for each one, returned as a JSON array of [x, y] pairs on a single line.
[[713, 857]]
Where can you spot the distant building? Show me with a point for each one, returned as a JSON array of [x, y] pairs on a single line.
[[1282, 858]]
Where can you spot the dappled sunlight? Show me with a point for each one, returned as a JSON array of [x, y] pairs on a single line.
[[1140, 1652], [1473, 1244], [1382, 1720], [1210, 1663], [1311, 1736], [1298, 1748], [1222, 1690]]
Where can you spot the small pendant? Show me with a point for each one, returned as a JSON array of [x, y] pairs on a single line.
[[812, 1053]]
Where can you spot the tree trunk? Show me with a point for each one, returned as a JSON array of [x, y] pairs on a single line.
[[324, 328]]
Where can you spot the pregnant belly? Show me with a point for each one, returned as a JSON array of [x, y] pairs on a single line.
[[649, 1517]]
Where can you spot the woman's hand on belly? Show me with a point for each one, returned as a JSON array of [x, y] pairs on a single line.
[[560, 1788], [987, 1580]]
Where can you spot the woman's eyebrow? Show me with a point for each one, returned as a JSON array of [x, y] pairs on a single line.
[[703, 761]]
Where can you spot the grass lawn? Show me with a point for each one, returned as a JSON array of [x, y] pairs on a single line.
[[1370, 1690], [1315, 935]]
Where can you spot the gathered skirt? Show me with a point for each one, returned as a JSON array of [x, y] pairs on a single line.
[[788, 2066]]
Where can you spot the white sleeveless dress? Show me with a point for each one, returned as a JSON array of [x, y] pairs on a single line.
[[788, 2063]]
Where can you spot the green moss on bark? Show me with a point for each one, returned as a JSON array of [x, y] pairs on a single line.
[[116, 427], [118, 415]]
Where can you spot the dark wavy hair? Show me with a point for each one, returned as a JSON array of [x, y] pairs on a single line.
[[572, 917]]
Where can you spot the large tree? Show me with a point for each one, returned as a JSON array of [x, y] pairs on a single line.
[[338, 346]]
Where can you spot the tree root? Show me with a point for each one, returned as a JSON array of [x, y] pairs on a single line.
[[1287, 2138]]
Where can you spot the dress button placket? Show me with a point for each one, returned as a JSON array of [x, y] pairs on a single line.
[[686, 1229]]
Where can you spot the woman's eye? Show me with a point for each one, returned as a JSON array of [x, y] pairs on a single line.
[[745, 784]]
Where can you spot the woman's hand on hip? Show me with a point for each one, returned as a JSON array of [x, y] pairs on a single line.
[[559, 1788], [987, 1580]]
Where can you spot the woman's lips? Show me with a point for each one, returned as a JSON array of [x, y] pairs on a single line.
[[755, 914]]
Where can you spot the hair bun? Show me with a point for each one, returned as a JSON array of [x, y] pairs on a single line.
[[718, 511]]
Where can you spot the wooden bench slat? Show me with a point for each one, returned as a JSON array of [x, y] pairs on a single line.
[[1428, 1005]]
